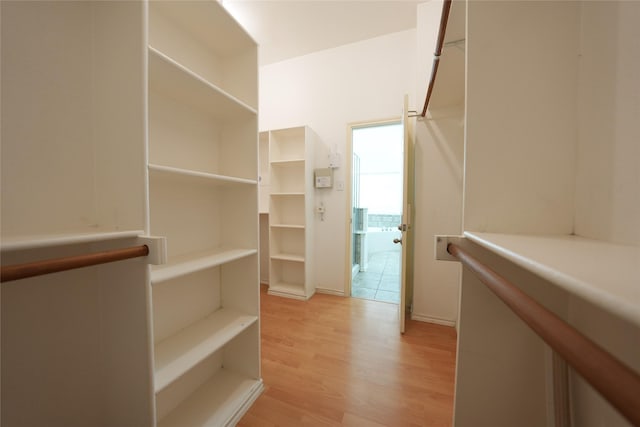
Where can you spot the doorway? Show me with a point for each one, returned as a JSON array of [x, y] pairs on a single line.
[[376, 207]]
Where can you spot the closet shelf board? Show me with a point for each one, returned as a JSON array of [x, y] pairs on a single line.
[[183, 85], [603, 273], [209, 22], [221, 401], [295, 226], [190, 263], [288, 257], [287, 194], [14, 243], [197, 176], [177, 354], [287, 162]]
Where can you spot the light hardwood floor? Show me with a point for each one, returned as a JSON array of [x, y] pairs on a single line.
[[334, 361]]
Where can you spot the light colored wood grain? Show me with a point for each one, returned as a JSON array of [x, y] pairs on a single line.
[[334, 361]]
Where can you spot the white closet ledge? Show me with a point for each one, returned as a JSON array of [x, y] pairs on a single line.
[[603, 273], [183, 84], [287, 162], [197, 261], [179, 353], [194, 176], [14, 243], [216, 402]]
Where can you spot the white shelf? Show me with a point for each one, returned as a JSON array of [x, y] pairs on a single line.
[[289, 290], [196, 176], [287, 162], [288, 257], [186, 264], [287, 194], [219, 402], [603, 273], [183, 84], [14, 243], [210, 23], [177, 354], [299, 227]]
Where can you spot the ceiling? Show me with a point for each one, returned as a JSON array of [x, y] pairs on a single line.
[[288, 28]]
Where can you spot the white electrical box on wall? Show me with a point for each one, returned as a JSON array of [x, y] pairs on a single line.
[[334, 160], [323, 177]]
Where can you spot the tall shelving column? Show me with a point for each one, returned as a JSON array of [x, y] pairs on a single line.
[[75, 344], [291, 212], [203, 187], [569, 238]]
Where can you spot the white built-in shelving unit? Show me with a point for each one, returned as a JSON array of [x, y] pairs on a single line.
[[551, 203], [203, 188], [75, 344], [291, 213], [122, 120]]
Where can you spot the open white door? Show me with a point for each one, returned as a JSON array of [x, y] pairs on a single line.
[[406, 213]]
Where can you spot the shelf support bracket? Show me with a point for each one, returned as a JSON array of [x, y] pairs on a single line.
[[442, 242], [157, 248]]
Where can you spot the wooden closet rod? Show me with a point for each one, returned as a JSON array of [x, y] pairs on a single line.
[[444, 18], [38, 268], [617, 383]]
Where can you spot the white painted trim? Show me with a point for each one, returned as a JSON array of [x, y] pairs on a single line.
[[435, 320], [329, 292], [257, 390]]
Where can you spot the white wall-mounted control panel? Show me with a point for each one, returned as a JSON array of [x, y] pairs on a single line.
[[323, 177]]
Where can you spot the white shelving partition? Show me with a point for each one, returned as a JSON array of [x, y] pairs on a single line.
[[550, 201], [100, 147], [291, 216], [569, 262], [75, 344], [203, 183]]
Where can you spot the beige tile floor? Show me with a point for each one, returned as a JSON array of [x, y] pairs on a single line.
[[381, 281]]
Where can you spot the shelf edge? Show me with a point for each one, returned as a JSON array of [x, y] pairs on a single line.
[[576, 286], [192, 74], [198, 263], [48, 240]]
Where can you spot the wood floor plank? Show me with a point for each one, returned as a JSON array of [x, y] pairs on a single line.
[[334, 361]]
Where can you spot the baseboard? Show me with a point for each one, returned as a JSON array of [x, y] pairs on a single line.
[[330, 292], [253, 394], [431, 319]]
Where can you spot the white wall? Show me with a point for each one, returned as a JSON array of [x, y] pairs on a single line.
[[608, 176], [521, 118], [328, 90]]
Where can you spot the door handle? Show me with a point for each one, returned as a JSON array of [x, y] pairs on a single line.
[[397, 240]]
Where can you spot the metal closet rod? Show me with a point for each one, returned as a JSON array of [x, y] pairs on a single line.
[[444, 18], [54, 265], [616, 382]]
